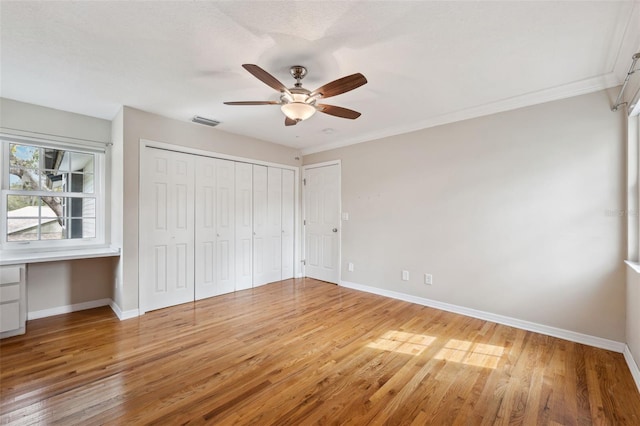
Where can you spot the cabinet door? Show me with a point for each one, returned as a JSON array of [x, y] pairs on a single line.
[[225, 226], [244, 226], [288, 215], [167, 206], [260, 228]]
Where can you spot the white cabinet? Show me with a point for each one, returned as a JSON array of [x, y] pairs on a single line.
[[13, 303]]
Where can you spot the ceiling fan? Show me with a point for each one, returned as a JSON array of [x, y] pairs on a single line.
[[298, 103]]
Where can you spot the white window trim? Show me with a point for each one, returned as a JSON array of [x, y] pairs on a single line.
[[99, 194]]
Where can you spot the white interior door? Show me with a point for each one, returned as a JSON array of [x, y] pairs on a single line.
[[167, 209], [274, 224], [260, 228], [244, 226], [322, 222], [288, 223], [225, 226]]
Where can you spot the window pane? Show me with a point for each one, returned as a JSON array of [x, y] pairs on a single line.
[[50, 180], [88, 228], [22, 229], [49, 206], [81, 162], [88, 208], [74, 162], [22, 205], [24, 156], [81, 228], [87, 183], [23, 179], [53, 158], [51, 229]]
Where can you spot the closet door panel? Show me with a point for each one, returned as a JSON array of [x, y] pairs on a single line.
[[225, 226], [244, 226], [205, 229], [166, 249], [274, 225], [288, 223], [260, 226]]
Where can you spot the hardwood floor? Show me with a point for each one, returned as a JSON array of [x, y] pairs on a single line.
[[305, 352]]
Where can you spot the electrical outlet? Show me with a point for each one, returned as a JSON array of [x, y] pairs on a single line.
[[428, 279], [405, 275], [345, 216], [350, 267]]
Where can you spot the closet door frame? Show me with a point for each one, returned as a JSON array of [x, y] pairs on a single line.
[[144, 143]]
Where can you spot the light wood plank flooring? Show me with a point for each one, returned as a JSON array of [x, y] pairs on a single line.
[[305, 352]]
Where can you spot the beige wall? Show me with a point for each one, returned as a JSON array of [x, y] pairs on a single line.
[[38, 119], [61, 283], [633, 313], [143, 125], [513, 214], [116, 172], [633, 277], [55, 284]]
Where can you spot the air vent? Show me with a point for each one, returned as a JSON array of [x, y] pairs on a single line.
[[205, 121]]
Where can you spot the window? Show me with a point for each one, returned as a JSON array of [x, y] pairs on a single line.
[[51, 196]]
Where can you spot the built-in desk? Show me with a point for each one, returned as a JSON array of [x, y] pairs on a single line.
[[13, 282]]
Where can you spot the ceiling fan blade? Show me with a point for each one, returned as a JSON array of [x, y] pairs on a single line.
[[265, 77], [253, 103], [338, 111], [289, 122], [340, 86]]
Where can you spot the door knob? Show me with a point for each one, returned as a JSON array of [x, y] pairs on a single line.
[[335, 229]]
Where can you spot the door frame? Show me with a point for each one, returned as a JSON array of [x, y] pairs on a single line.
[[297, 240], [304, 213]]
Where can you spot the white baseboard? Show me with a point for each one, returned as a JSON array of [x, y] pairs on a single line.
[[67, 308], [633, 366], [123, 315], [572, 336]]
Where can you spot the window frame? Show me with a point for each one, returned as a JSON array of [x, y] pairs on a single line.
[[99, 194]]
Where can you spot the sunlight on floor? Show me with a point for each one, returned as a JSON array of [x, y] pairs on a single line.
[[399, 341], [462, 351], [465, 352]]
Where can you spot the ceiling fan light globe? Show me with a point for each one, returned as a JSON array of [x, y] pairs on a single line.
[[298, 111]]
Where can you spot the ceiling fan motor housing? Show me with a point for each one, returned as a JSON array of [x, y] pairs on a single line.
[[298, 72]]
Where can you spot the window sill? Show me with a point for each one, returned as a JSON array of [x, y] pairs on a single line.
[[52, 256], [633, 265]]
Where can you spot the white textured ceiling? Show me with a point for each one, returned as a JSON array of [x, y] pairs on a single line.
[[427, 62]]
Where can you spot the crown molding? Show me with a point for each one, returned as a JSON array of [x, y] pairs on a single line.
[[570, 90]]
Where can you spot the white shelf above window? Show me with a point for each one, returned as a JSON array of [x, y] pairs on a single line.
[[10, 258]]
